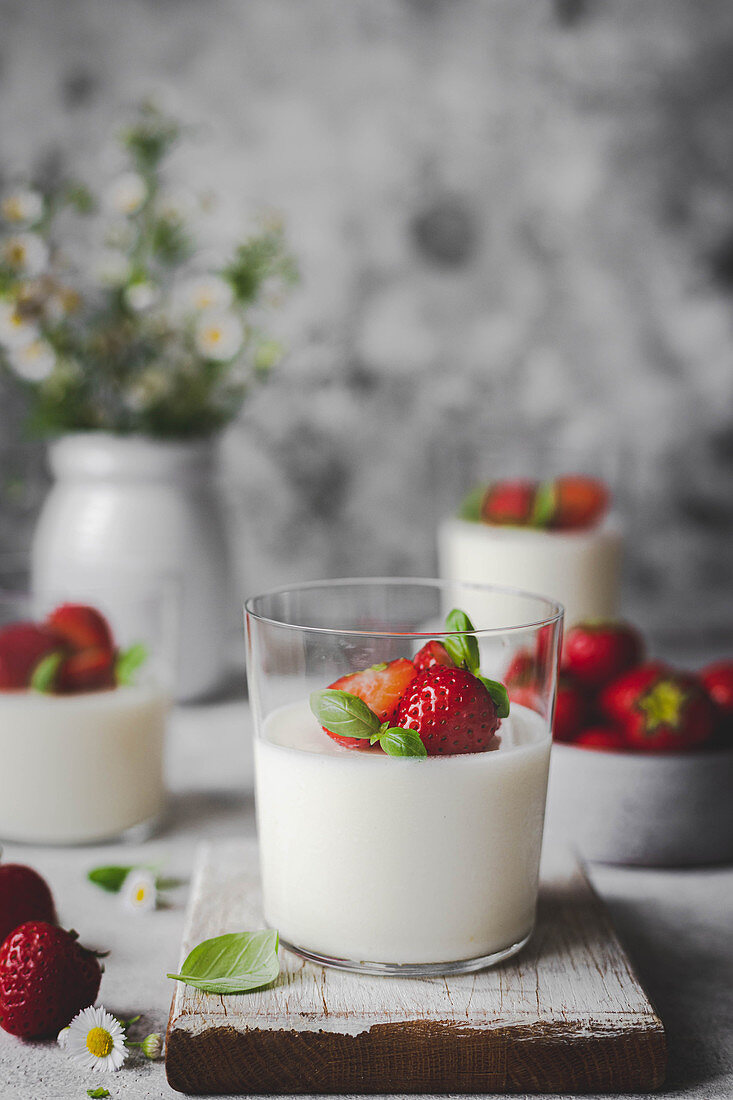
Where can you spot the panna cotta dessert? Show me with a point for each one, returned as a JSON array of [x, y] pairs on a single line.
[[81, 742], [400, 811], [555, 538]]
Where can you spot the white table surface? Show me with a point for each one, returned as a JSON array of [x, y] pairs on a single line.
[[676, 925]]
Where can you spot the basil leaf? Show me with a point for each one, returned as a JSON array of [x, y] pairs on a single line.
[[464, 648], [110, 878], [129, 661], [343, 713], [498, 693], [401, 742], [545, 503], [234, 963], [45, 671], [471, 506], [98, 1094]]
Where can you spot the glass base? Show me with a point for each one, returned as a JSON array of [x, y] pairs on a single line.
[[134, 834], [411, 970]]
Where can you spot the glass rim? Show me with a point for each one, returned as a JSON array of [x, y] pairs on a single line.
[[555, 609]]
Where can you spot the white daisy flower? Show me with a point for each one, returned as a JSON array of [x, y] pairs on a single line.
[[33, 362], [113, 269], [15, 330], [142, 295], [22, 207], [205, 292], [96, 1040], [219, 336], [63, 1038], [139, 893], [25, 252], [126, 194]]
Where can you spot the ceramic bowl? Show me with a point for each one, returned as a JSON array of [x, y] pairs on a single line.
[[670, 810]]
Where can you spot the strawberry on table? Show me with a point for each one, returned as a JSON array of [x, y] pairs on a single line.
[[604, 738], [597, 652], [22, 647], [24, 896], [509, 503], [571, 710], [46, 977], [432, 653], [80, 627], [578, 502], [618, 697], [450, 709], [381, 687], [674, 714]]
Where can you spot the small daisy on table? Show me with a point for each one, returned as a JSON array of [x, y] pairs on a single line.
[[96, 1040]]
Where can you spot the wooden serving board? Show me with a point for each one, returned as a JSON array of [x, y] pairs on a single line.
[[566, 1015]]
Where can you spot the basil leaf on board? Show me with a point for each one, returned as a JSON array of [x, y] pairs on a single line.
[[110, 878], [45, 671], [129, 661], [343, 713], [464, 647], [498, 693], [471, 506], [234, 963], [401, 742]]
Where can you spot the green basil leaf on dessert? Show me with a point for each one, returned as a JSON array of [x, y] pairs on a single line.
[[44, 674], [545, 503], [129, 661], [401, 742], [234, 963], [343, 713], [109, 878], [464, 648], [498, 693], [470, 508]]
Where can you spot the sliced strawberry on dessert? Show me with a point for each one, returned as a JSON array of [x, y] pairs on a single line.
[[22, 647], [717, 679], [571, 710], [674, 714], [381, 687], [80, 627], [597, 652], [603, 738], [509, 503], [88, 670], [618, 697], [578, 502], [432, 653], [450, 709]]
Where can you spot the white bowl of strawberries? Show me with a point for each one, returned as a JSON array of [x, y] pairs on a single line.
[[642, 765]]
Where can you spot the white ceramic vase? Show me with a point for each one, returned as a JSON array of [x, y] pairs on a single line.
[[130, 510]]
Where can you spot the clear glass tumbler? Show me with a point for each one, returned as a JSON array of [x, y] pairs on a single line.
[[416, 864]]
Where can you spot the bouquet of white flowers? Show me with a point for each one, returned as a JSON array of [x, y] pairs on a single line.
[[138, 336]]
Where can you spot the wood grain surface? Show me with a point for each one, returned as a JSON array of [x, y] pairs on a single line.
[[566, 1015]]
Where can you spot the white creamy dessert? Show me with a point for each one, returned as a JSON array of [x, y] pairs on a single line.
[[372, 858], [80, 768], [580, 569]]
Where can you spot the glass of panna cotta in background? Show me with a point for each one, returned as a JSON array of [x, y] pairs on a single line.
[[544, 520], [400, 797], [84, 699]]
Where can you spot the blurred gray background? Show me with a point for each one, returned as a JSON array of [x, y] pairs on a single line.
[[513, 218]]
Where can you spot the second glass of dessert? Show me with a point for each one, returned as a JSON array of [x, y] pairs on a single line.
[[84, 698], [400, 795]]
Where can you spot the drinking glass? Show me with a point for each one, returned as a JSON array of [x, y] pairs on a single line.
[[397, 864]]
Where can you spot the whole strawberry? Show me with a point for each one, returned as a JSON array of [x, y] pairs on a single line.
[[579, 502], [602, 738], [24, 896], [450, 709], [717, 679], [618, 697], [675, 714], [509, 503], [571, 710], [46, 977], [595, 653]]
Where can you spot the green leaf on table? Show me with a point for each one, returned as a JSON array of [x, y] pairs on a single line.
[[498, 693], [44, 674], [234, 963], [109, 878], [462, 646], [343, 713], [98, 1094], [129, 661], [401, 742]]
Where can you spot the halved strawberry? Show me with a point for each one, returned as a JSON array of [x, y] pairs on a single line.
[[450, 709], [81, 627], [89, 670], [578, 502], [509, 502], [603, 738], [22, 647], [432, 653], [381, 687]]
